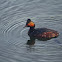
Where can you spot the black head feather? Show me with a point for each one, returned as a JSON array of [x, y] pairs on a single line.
[[28, 20]]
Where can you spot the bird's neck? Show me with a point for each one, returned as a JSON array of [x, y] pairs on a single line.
[[31, 29]]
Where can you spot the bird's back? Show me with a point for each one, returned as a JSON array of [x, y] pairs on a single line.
[[43, 33]]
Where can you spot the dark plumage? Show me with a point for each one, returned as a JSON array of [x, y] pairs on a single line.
[[40, 33]]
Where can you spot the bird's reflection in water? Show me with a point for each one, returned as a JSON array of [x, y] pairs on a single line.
[[32, 40], [30, 45]]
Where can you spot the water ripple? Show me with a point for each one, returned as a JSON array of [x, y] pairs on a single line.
[[13, 36]]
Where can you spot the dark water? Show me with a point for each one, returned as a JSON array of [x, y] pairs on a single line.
[[13, 37]]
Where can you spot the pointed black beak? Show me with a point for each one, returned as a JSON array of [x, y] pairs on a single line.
[[25, 26]]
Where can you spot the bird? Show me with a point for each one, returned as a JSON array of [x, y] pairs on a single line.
[[40, 33]]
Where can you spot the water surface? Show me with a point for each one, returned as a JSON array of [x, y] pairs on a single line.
[[13, 37]]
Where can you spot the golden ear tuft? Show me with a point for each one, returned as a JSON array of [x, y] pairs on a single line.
[[31, 24]]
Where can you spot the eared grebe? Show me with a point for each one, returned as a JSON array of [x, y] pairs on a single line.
[[40, 33]]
